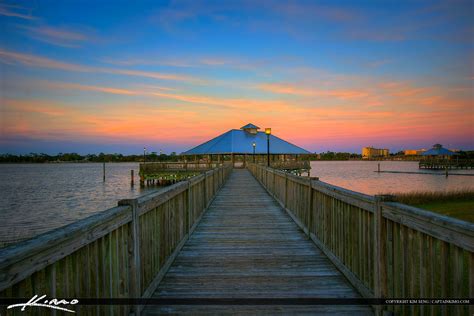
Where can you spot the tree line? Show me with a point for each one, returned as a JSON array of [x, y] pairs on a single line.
[[75, 157], [153, 156]]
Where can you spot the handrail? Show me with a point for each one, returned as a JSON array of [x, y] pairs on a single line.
[[385, 249], [121, 252]]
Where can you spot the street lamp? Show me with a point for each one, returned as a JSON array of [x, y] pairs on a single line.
[[268, 131], [144, 155], [253, 144]]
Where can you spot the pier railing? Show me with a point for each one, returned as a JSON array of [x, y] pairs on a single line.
[[122, 252], [385, 249], [150, 167], [292, 165]]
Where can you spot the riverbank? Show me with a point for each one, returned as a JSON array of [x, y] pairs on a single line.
[[458, 204]]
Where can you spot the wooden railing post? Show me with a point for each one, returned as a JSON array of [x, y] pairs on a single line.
[[286, 190], [310, 205], [380, 256], [189, 211], [273, 184], [133, 251], [205, 190]]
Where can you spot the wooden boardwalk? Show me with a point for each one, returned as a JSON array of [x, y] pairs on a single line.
[[246, 246]]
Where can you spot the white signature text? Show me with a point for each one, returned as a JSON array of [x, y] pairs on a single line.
[[40, 301]]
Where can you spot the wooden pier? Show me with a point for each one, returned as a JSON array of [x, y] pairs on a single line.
[[248, 234], [247, 247], [166, 173], [446, 164]]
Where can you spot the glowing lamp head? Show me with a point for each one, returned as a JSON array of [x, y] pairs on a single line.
[[268, 131], [253, 144]]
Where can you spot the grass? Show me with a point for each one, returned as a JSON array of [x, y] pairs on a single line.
[[457, 204]]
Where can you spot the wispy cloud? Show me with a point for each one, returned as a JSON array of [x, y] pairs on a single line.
[[379, 63], [281, 88], [10, 57], [75, 86], [55, 35], [190, 62], [298, 11], [16, 11]]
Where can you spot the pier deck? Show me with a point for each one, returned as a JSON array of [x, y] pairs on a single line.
[[246, 246]]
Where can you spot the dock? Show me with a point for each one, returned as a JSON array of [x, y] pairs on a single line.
[[446, 164], [222, 240], [166, 173]]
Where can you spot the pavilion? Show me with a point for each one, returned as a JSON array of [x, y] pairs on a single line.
[[247, 141], [439, 152]]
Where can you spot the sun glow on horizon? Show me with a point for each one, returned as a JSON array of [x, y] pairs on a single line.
[[86, 81]]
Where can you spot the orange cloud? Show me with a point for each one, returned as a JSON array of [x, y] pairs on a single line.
[[13, 105], [74, 86], [293, 90], [305, 126]]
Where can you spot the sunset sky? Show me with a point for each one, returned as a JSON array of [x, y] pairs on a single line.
[[114, 76]]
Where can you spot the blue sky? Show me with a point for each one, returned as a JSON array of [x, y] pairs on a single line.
[[90, 76]]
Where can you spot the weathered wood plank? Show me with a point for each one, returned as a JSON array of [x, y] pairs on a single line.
[[247, 246], [451, 230]]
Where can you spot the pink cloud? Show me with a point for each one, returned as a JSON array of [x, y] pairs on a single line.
[[308, 92]]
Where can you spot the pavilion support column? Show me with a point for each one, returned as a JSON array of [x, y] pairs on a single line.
[[233, 160], [245, 160]]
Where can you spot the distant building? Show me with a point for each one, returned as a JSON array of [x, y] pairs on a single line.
[[414, 152], [371, 152]]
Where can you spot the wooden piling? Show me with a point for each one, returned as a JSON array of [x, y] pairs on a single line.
[[131, 178], [378, 167], [103, 171]]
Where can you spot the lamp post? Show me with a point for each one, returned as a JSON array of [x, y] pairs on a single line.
[[268, 131], [144, 155], [253, 144]]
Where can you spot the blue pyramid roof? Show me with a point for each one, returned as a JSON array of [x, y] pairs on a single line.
[[438, 151], [240, 142], [250, 125]]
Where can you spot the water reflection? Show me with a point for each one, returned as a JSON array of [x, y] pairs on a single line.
[[360, 176], [38, 197]]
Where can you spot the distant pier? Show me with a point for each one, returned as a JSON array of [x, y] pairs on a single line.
[[442, 164]]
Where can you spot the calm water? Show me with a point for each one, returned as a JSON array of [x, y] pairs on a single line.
[[38, 197], [360, 176]]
